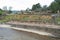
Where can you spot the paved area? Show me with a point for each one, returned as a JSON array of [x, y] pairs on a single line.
[[7, 33], [34, 31], [27, 30], [33, 24], [10, 34]]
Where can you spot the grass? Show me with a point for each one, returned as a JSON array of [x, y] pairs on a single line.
[[58, 20]]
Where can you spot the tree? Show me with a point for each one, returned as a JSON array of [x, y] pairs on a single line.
[[33, 7], [54, 7], [5, 8], [44, 8], [28, 10], [36, 7], [58, 3], [10, 9], [1, 11]]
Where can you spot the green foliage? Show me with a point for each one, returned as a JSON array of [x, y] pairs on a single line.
[[36, 6], [44, 8], [10, 11], [58, 1], [53, 7], [1, 11], [58, 20]]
